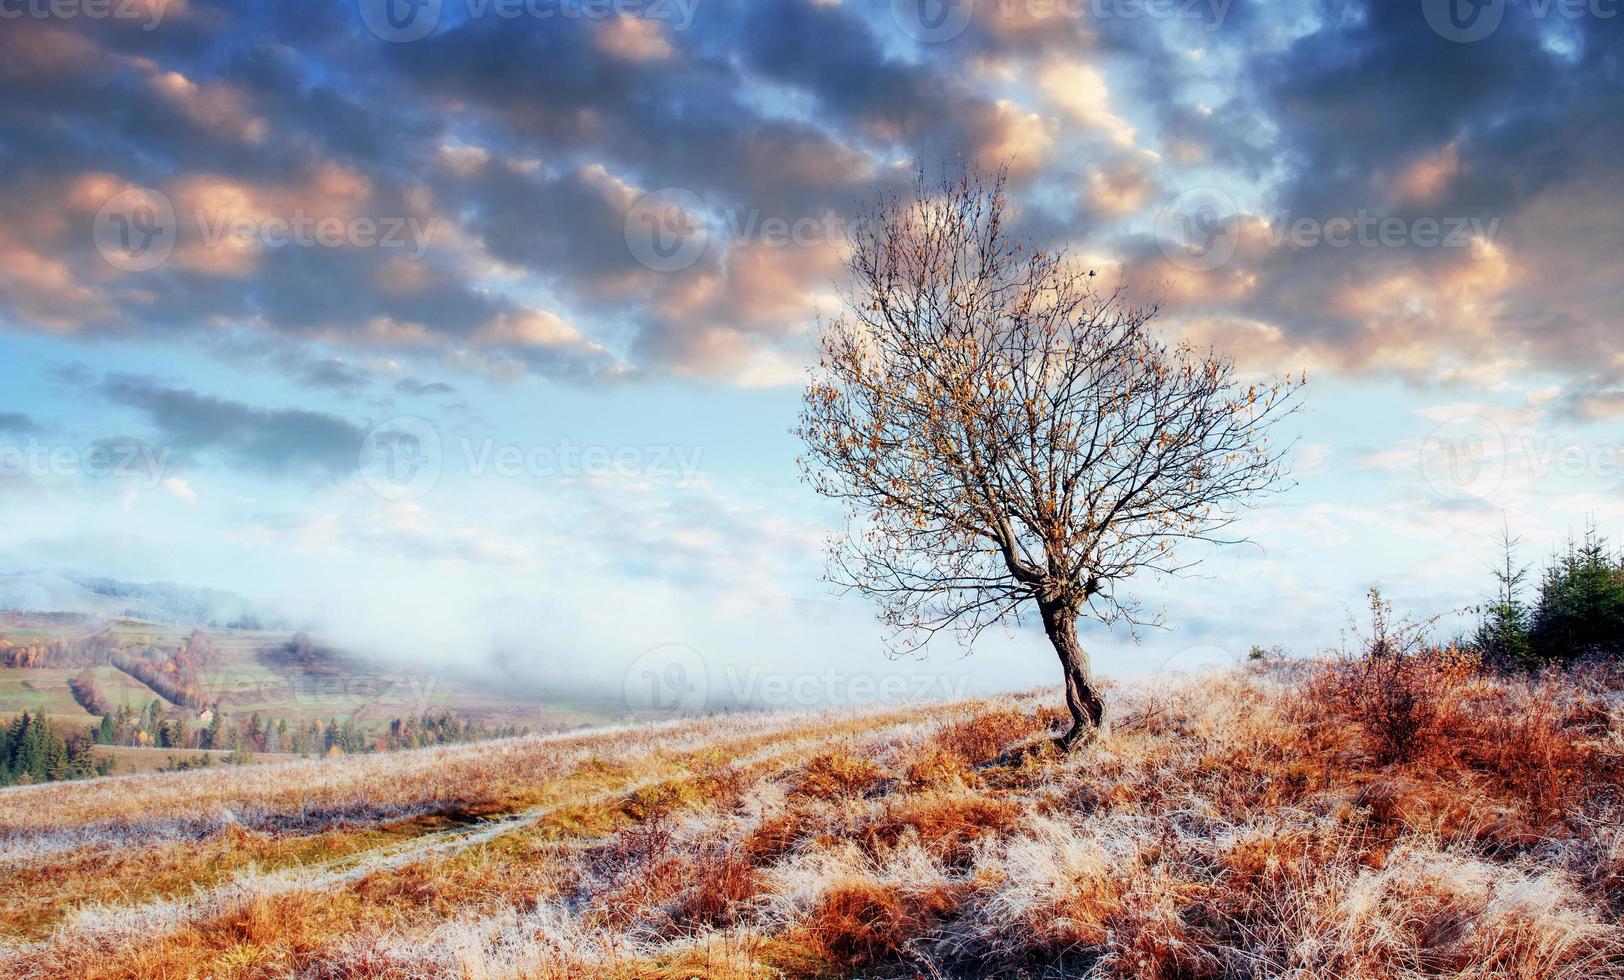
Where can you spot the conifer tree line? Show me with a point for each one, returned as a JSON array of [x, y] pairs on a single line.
[[33, 751], [255, 733], [1572, 613]]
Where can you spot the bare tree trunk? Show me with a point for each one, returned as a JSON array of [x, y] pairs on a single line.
[[1083, 698]]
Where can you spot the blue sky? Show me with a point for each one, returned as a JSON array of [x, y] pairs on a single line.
[[596, 242]]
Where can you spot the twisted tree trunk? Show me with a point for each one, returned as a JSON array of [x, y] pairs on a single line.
[[1083, 697]]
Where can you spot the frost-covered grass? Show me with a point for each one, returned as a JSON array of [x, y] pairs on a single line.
[[1235, 824]]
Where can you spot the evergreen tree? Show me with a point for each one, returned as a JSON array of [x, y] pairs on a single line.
[[1503, 635], [81, 757], [150, 720], [123, 725], [211, 735], [350, 739], [34, 753], [1581, 604]]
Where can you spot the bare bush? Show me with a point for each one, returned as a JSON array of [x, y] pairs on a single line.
[[1399, 689]]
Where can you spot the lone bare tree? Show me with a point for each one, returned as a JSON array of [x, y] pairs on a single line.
[[1004, 436]]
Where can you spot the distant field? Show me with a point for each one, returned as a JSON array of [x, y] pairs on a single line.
[[130, 760], [244, 679], [1235, 824], [33, 690]]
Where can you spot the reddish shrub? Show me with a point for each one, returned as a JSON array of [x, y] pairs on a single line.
[[934, 767], [780, 834], [1534, 746], [837, 774], [983, 738], [1402, 702], [861, 922], [945, 825]]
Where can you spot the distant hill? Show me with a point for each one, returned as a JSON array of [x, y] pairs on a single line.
[[75, 666], [48, 592], [155, 602], [73, 647]]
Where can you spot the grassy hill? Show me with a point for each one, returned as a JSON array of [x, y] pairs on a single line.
[[245, 672], [1242, 824]]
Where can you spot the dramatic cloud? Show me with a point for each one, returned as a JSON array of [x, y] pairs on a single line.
[[471, 197]]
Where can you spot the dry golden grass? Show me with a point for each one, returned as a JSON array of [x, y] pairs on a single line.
[[1242, 824]]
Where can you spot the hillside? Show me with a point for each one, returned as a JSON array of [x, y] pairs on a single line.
[[75, 667], [1234, 824]]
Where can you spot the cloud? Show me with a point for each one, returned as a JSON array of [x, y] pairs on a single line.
[[17, 423], [634, 39], [418, 388], [1080, 91], [334, 374], [215, 107], [288, 443], [523, 144], [180, 490]]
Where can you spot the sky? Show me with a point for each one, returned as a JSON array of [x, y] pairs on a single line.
[[477, 328]]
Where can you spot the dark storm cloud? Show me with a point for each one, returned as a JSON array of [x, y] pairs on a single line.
[[1516, 129], [1364, 94]]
